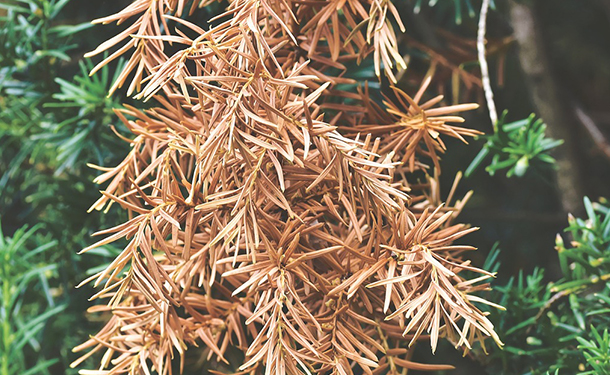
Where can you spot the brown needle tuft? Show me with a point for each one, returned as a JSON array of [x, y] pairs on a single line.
[[259, 222]]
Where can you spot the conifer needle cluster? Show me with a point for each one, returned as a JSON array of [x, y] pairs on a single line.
[[272, 212]]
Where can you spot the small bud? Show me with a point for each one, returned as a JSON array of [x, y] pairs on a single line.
[[521, 166], [559, 245], [534, 341]]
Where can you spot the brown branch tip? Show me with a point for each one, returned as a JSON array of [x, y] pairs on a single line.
[[270, 208]]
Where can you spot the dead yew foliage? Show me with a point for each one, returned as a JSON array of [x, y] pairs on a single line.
[[266, 217]]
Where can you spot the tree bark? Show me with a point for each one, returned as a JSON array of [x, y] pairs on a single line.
[[544, 92]]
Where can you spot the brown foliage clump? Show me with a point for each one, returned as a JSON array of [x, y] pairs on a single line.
[[270, 211]]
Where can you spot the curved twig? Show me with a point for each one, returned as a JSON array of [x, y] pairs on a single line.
[[489, 95]]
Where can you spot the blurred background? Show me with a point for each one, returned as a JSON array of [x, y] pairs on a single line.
[[546, 57]]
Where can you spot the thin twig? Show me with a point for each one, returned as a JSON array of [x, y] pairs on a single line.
[[548, 304], [489, 95], [598, 137]]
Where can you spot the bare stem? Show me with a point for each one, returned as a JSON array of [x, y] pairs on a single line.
[[489, 95], [596, 134]]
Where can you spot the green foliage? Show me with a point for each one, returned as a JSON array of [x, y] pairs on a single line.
[[554, 327], [49, 127], [516, 146], [26, 301], [587, 261], [597, 352], [27, 36], [32, 51], [81, 134], [53, 120]]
